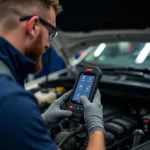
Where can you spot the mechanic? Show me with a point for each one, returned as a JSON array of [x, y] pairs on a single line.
[[26, 29]]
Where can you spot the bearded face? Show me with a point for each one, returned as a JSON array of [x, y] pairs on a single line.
[[38, 38], [35, 51]]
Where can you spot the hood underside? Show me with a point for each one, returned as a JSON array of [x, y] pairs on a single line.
[[68, 43], [85, 23]]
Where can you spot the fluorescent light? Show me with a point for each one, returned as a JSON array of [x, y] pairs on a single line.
[[143, 54], [100, 49]]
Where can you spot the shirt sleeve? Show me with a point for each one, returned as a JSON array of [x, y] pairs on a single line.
[[23, 126]]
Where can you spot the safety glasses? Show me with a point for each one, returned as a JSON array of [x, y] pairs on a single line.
[[53, 31]]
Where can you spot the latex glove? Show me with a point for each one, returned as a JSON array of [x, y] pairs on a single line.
[[55, 113], [93, 113]]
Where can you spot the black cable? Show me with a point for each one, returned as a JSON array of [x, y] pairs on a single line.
[[72, 134], [48, 63]]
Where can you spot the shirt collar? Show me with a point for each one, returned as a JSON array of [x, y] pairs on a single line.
[[19, 64]]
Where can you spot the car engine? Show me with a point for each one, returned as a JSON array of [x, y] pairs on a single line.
[[119, 128], [125, 128], [126, 119]]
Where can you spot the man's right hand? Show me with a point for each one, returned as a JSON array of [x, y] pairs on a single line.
[[93, 114]]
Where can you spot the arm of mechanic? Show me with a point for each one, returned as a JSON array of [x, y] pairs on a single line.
[[96, 141], [93, 116]]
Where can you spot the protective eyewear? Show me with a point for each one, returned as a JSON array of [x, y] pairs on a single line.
[[53, 31]]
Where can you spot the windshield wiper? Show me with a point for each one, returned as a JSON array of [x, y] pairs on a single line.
[[133, 71]]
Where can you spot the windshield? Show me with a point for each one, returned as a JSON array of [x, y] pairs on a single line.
[[120, 54]]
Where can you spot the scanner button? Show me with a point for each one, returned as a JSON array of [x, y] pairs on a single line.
[[71, 107]]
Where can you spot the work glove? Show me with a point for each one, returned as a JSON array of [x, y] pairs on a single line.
[[93, 113], [55, 113]]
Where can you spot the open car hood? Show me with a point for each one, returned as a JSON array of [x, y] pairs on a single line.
[[68, 43], [85, 23]]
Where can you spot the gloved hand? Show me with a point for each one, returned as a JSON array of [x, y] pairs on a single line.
[[55, 113], [93, 113]]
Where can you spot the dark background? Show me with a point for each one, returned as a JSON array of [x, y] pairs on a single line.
[[87, 15]]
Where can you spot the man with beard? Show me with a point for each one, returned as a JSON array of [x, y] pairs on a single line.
[[26, 29]]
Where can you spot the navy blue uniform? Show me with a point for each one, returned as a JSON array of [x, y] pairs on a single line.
[[21, 124]]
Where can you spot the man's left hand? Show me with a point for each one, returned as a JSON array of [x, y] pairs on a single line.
[[55, 113]]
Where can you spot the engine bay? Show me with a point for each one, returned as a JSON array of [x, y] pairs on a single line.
[[126, 119]]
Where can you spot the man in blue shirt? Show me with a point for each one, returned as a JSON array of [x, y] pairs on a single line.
[[26, 29]]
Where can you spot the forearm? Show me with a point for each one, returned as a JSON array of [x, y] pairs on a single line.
[[96, 141]]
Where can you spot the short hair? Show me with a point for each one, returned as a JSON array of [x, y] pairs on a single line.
[[10, 9]]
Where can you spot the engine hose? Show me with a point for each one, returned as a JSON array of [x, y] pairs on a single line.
[[72, 134]]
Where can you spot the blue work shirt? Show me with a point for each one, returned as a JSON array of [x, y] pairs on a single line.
[[21, 124]]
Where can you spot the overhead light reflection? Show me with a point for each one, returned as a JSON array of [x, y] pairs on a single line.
[[100, 49], [143, 54]]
